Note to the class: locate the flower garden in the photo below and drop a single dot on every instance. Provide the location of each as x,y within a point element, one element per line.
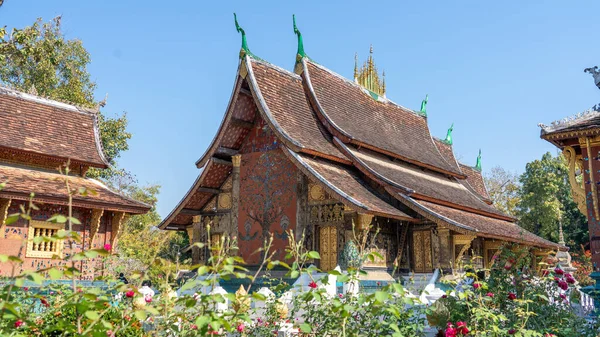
<point>511,300</point>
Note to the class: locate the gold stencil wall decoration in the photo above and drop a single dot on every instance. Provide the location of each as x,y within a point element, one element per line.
<point>422,251</point>
<point>316,192</point>
<point>328,247</point>
<point>225,201</point>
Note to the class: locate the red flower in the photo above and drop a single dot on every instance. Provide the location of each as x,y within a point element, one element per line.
<point>545,272</point>
<point>107,247</point>
<point>450,330</point>
<point>508,266</point>
<point>563,296</point>
<point>563,285</point>
<point>130,293</point>
<point>312,285</point>
<point>18,323</point>
<point>240,327</point>
<point>444,296</point>
<point>558,271</point>
<point>148,299</point>
<point>489,295</point>
<point>476,285</point>
<point>512,331</point>
<point>44,302</point>
<point>512,296</point>
<point>194,327</point>
<point>462,328</point>
<point>570,279</point>
<point>25,288</point>
<point>341,295</point>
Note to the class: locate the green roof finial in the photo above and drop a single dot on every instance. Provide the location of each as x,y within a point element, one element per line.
<point>424,105</point>
<point>448,139</point>
<point>478,164</point>
<point>301,52</point>
<point>244,50</point>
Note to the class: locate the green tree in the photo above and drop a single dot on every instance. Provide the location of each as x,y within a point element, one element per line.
<point>39,59</point>
<point>545,199</point>
<point>503,188</point>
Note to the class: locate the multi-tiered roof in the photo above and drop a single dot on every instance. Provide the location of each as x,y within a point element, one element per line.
<point>370,153</point>
<point>40,135</point>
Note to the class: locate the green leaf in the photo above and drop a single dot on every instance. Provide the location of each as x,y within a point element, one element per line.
<point>58,219</point>
<point>140,314</point>
<point>314,255</point>
<point>381,296</point>
<point>305,327</point>
<point>92,315</point>
<point>55,274</point>
<point>12,218</point>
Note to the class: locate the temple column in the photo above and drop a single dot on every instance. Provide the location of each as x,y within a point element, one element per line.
<point>446,258</point>
<point>196,237</point>
<point>235,195</point>
<point>435,247</point>
<point>302,213</point>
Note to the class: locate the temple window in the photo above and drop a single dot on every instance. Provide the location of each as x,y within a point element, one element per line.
<point>43,249</point>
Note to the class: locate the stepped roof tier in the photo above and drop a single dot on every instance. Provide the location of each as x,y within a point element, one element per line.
<point>38,136</point>
<point>365,150</point>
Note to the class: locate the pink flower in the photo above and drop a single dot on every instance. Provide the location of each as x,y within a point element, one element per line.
<point>18,323</point>
<point>25,288</point>
<point>107,247</point>
<point>130,293</point>
<point>512,331</point>
<point>512,296</point>
<point>148,299</point>
<point>194,327</point>
<point>563,296</point>
<point>476,285</point>
<point>341,295</point>
<point>312,285</point>
<point>558,271</point>
<point>570,280</point>
<point>110,333</point>
<point>489,295</point>
<point>462,328</point>
<point>563,285</point>
<point>507,266</point>
<point>450,330</point>
<point>240,327</point>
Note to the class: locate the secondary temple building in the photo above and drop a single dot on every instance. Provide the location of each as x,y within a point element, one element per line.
<point>314,153</point>
<point>38,137</point>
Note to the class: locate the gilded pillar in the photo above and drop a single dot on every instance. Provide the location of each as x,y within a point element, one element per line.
<point>435,247</point>
<point>197,237</point>
<point>235,195</point>
<point>302,213</point>
<point>445,249</point>
<point>363,221</point>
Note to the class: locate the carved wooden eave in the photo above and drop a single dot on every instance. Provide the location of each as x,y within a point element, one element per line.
<point>4,206</point>
<point>558,137</point>
<point>344,137</point>
<point>335,192</point>
<point>574,162</point>
<point>118,221</point>
<point>95,223</point>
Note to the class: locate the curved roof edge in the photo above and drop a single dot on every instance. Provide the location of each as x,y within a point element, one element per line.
<point>345,137</point>
<point>181,204</point>
<point>333,190</point>
<point>366,169</point>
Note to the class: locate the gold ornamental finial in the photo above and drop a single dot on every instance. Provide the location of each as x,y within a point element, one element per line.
<point>367,76</point>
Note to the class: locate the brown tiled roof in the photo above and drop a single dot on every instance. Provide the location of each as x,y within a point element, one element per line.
<point>383,125</point>
<point>447,152</point>
<point>340,180</point>
<point>286,101</point>
<point>589,120</point>
<point>486,226</point>
<point>475,180</point>
<point>50,187</point>
<point>422,182</point>
<point>41,126</point>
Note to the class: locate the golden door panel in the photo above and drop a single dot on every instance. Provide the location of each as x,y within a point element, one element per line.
<point>422,251</point>
<point>328,247</point>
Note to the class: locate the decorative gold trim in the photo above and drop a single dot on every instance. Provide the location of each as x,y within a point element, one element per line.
<point>465,240</point>
<point>577,188</point>
<point>35,224</point>
<point>4,205</point>
<point>190,233</point>
<point>571,134</point>
<point>243,70</point>
<point>224,201</point>
<point>118,220</point>
<point>363,221</point>
<point>236,160</point>
<point>95,223</point>
<point>316,192</point>
<point>197,219</point>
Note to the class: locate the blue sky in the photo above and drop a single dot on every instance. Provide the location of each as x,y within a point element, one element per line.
<point>495,69</point>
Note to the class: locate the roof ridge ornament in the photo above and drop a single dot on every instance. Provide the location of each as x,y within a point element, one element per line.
<point>368,77</point>
<point>478,164</point>
<point>596,73</point>
<point>423,110</point>
<point>300,53</point>
<point>244,50</point>
<point>448,139</point>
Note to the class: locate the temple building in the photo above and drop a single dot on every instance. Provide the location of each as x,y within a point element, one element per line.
<point>39,137</point>
<point>312,152</point>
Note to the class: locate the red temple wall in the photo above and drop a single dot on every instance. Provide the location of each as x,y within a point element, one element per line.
<point>268,199</point>
<point>13,240</point>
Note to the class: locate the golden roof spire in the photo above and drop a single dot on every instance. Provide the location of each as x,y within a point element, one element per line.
<point>367,76</point>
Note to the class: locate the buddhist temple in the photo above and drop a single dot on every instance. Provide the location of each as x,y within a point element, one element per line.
<point>312,152</point>
<point>40,136</point>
